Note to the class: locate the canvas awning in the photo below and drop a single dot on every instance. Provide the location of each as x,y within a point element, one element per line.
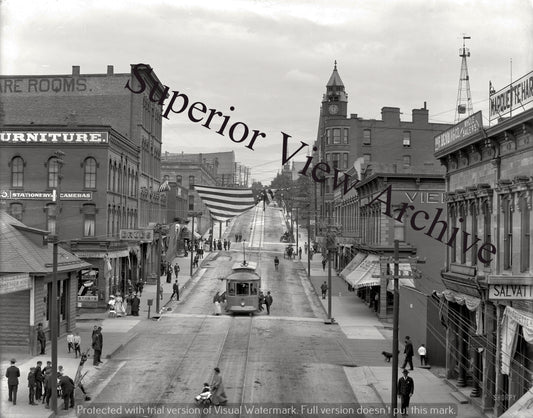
<point>366,273</point>
<point>404,269</point>
<point>351,266</point>
<point>522,408</point>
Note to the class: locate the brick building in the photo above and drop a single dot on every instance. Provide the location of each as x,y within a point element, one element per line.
<point>126,169</point>
<point>26,285</point>
<point>488,301</point>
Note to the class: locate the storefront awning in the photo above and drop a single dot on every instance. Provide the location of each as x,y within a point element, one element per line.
<point>512,318</point>
<point>522,408</point>
<point>404,269</point>
<point>102,254</point>
<point>366,273</point>
<point>352,265</point>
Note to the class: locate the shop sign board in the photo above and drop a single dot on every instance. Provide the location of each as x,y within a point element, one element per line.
<point>457,133</point>
<point>14,283</point>
<point>90,298</point>
<point>513,98</point>
<point>19,137</point>
<point>27,195</point>
<point>138,235</point>
<point>510,288</point>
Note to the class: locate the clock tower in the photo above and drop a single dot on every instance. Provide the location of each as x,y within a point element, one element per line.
<point>335,101</point>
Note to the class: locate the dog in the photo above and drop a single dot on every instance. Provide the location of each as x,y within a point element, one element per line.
<point>387,355</point>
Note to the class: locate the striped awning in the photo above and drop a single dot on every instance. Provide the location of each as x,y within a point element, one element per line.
<point>224,203</point>
<point>365,274</point>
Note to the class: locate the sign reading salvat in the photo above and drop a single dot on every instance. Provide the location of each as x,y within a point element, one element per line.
<point>510,288</point>
<point>52,137</point>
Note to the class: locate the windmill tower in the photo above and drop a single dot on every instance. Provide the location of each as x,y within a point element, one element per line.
<point>464,99</point>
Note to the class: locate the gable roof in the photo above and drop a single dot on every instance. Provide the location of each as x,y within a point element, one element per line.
<point>20,254</point>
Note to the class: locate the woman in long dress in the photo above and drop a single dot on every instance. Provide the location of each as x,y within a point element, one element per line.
<point>119,306</point>
<point>216,302</point>
<point>217,389</point>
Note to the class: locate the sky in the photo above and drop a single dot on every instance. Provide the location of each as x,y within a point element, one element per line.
<point>271,59</point>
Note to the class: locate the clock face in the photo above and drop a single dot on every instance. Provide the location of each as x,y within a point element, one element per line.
<point>333,109</point>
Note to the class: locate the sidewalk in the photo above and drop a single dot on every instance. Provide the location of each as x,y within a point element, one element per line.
<point>372,380</point>
<point>117,332</point>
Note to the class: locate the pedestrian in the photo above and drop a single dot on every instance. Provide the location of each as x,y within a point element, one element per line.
<point>129,298</point>
<point>276,262</point>
<point>300,253</point>
<point>176,270</point>
<point>268,302</point>
<point>140,286</point>
<point>13,374</point>
<point>135,302</point>
<point>70,341</point>
<point>47,386</point>
<point>216,303</point>
<point>219,245</point>
<point>324,262</point>
<point>408,351</point>
<point>31,386</point>
<point>225,244</point>
<point>77,344</point>
<point>406,388</point>
<point>67,390</point>
<point>229,244</point>
<point>169,274</point>
<point>98,343</point>
<point>39,379</point>
<point>41,337</point>
<point>324,289</point>
<point>261,301</point>
<point>376,301</point>
<point>161,292</point>
<point>217,389</point>
<point>305,247</point>
<point>195,260</point>
<point>176,291</point>
<point>422,353</point>
<point>119,306</point>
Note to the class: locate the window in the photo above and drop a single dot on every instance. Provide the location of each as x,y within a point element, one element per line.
<point>407,139</point>
<point>15,210</point>
<point>399,231</point>
<point>89,220</point>
<point>367,158</point>
<point>329,134</point>
<point>345,136</point>
<point>406,160</point>
<point>453,218</point>
<point>473,211</point>
<point>242,289</point>
<point>335,160</point>
<point>17,172</point>
<point>89,175</point>
<point>507,233</point>
<point>525,235</point>
<point>462,214</point>
<point>336,136</point>
<point>366,136</point>
<point>178,179</point>
<point>51,217</point>
<point>191,202</point>
<point>345,161</point>
<point>191,182</point>
<point>53,172</point>
<point>486,225</point>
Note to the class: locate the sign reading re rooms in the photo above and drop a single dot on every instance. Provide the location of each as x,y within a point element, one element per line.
<point>54,137</point>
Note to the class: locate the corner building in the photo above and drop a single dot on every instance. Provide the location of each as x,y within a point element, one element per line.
<point>488,301</point>
<point>117,178</point>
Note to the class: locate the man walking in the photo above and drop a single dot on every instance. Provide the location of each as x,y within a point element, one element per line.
<point>176,289</point>
<point>135,302</point>
<point>276,262</point>
<point>98,343</point>
<point>324,289</point>
<point>41,337</point>
<point>406,388</point>
<point>13,374</point>
<point>32,384</point>
<point>176,270</point>
<point>408,351</point>
<point>268,302</point>
<point>39,379</point>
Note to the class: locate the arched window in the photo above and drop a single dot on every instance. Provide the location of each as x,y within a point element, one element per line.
<point>89,220</point>
<point>89,174</point>
<point>53,172</point>
<point>17,172</point>
<point>15,210</point>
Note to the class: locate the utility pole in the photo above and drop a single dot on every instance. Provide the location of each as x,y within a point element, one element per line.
<point>54,316</point>
<point>297,249</point>
<point>309,244</point>
<point>394,395</point>
<point>158,269</point>
<point>331,248</point>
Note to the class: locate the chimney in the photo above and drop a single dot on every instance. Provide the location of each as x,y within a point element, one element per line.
<point>421,116</point>
<point>391,115</point>
<point>109,70</point>
<point>75,70</point>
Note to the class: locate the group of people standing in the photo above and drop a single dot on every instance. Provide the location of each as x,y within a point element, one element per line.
<point>118,307</point>
<point>265,300</point>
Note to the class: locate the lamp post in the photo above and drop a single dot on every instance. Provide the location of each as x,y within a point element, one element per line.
<point>54,319</point>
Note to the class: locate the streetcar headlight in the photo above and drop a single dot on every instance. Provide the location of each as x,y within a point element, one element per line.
<point>242,303</point>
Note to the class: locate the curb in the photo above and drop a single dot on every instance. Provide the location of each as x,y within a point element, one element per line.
<point>121,346</point>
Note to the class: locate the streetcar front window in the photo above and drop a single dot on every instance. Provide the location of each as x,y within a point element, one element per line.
<point>243,289</point>
<point>253,289</point>
<point>231,289</point>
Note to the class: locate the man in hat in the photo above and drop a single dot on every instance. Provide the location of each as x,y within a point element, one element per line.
<point>13,374</point>
<point>97,345</point>
<point>406,388</point>
<point>41,337</point>
<point>409,352</point>
<point>67,390</point>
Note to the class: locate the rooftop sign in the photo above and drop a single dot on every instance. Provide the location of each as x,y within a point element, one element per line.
<point>53,137</point>
<point>464,129</point>
<point>513,97</point>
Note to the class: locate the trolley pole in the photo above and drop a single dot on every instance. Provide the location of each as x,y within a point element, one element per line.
<point>394,395</point>
<point>309,245</point>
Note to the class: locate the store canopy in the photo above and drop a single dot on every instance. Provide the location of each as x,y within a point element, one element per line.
<point>522,408</point>
<point>404,269</point>
<point>352,265</point>
<point>366,273</point>
<point>512,318</point>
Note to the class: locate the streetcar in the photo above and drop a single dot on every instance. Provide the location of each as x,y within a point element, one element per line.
<point>242,288</point>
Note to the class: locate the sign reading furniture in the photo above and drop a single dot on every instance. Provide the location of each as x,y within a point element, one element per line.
<point>54,137</point>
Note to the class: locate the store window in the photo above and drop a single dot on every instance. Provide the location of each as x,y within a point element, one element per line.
<point>89,220</point>
<point>53,172</point>
<point>89,173</point>
<point>17,172</point>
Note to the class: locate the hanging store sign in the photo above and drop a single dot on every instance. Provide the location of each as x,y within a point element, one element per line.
<point>510,288</point>
<point>139,235</point>
<point>459,132</point>
<point>512,98</point>
<point>11,195</point>
<point>54,137</point>
<point>14,283</point>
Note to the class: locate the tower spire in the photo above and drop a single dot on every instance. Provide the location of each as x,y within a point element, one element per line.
<point>464,99</point>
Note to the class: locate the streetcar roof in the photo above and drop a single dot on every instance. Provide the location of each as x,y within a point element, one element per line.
<point>243,276</point>
<point>250,265</point>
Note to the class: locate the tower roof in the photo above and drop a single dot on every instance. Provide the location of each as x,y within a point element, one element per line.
<point>335,79</point>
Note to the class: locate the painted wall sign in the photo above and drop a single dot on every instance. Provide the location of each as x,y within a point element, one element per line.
<point>460,131</point>
<point>14,283</point>
<point>12,195</point>
<point>42,85</point>
<point>425,197</point>
<point>512,98</point>
<point>144,235</point>
<point>54,137</point>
